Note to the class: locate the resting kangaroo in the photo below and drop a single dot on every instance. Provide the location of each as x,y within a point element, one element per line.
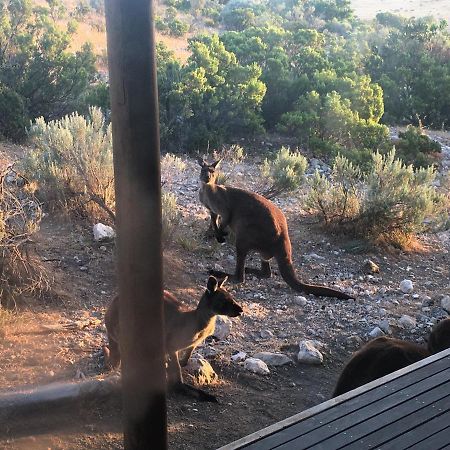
<point>185,330</point>
<point>258,225</point>
<point>386,355</point>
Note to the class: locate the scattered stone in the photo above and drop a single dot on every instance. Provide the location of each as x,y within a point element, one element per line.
<point>103,248</point>
<point>445,303</point>
<point>239,357</point>
<point>209,352</point>
<point>376,332</point>
<point>300,300</point>
<point>256,366</point>
<point>223,327</point>
<point>309,354</point>
<point>370,267</point>
<point>103,232</point>
<point>314,256</point>
<point>406,286</point>
<point>201,370</point>
<point>407,322</point>
<point>384,325</point>
<point>273,359</point>
<point>266,334</point>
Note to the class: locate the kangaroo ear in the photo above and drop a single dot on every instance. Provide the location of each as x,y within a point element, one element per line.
<point>212,284</point>
<point>215,164</point>
<point>201,161</point>
<point>222,282</point>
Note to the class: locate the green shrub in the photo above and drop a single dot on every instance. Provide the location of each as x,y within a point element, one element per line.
<point>391,202</point>
<point>336,200</point>
<point>283,174</point>
<point>181,5</point>
<point>171,217</point>
<point>72,161</point>
<point>415,147</point>
<point>13,117</point>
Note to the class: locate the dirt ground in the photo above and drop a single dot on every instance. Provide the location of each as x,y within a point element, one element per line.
<point>60,338</point>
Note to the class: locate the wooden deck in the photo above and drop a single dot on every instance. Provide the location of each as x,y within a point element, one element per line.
<point>408,409</point>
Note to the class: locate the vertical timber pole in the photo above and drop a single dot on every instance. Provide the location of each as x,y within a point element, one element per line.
<point>135,126</point>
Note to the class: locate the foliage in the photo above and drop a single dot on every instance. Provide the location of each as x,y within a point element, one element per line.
<point>171,217</point>
<point>72,161</point>
<point>209,99</point>
<point>20,217</point>
<point>38,72</point>
<point>13,119</point>
<point>391,202</point>
<point>415,147</point>
<point>410,60</point>
<point>285,173</point>
<point>171,165</point>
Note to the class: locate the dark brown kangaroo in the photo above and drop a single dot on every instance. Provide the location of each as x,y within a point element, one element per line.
<point>185,330</point>
<point>386,355</point>
<point>258,225</point>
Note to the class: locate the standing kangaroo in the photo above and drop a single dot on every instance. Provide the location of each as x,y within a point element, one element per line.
<point>184,329</point>
<point>385,355</point>
<point>258,225</point>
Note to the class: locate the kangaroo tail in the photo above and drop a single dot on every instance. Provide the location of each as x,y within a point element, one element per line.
<point>288,273</point>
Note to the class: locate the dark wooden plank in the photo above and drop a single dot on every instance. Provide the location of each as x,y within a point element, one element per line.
<point>408,421</point>
<point>438,441</point>
<point>360,408</point>
<point>345,436</point>
<point>323,413</point>
<point>420,433</point>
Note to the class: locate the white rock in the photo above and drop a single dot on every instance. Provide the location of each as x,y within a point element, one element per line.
<point>384,325</point>
<point>376,332</point>
<point>256,366</point>
<point>238,357</point>
<point>314,256</point>
<point>406,286</point>
<point>300,300</point>
<point>102,232</point>
<point>309,354</point>
<point>223,327</point>
<point>445,303</point>
<point>266,334</point>
<point>273,359</point>
<point>407,322</point>
<point>201,370</point>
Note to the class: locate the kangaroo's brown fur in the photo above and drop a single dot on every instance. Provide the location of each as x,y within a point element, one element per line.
<point>185,330</point>
<point>258,225</point>
<point>386,355</point>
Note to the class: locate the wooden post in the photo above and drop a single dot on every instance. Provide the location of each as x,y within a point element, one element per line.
<point>134,109</point>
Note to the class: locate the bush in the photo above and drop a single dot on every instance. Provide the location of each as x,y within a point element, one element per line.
<point>170,165</point>
<point>171,217</point>
<point>392,202</point>
<point>415,147</point>
<point>285,173</point>
<point>337,199</point>
<point>20,217</point>
<point>13,118</point>
<point>72,162</point>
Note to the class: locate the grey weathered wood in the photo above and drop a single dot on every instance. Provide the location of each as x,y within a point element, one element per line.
<point>423,432</point>
<point>135,128</point>
<point>325,414</point>
<point>391,424</point>
<point>438,441</point>
<point>376,414</point>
